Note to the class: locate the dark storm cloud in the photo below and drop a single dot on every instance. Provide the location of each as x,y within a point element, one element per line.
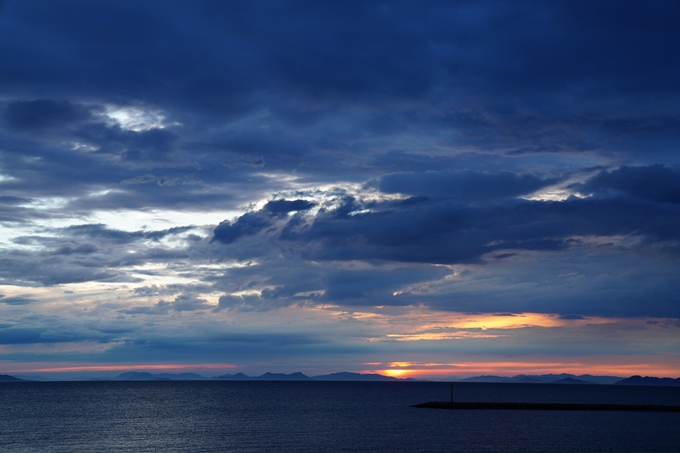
<point>153,145</point>
<point>286,206</point>
<point>655,183</point>
<point>253,223</point>
<point>307,259</point>
<point>525,77</point>
<point>422,230</point>
<point>34,116</point>
<point>449,232</point>
<point>425,232</point>
<point>85,124</point>
<point>246,225</point>
<point>41,170</point>
<point>328,90</point>
<point>465,185</point>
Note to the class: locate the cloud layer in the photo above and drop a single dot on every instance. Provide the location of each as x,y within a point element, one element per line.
<point>271,183</point>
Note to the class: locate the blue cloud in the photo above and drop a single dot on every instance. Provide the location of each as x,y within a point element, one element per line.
<point>655,183</point>
<point>286,206</point>
<point>464,185</point>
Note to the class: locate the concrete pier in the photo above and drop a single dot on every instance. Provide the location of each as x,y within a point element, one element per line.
<point>549,406</point>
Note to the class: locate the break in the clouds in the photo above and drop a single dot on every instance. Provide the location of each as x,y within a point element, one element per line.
<point>317,186</point>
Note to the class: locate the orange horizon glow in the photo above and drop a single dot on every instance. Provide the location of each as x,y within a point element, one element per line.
<point>612,366</point>
<point>468,369</point>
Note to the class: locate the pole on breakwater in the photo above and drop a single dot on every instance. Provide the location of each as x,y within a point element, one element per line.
<point>452,393</point>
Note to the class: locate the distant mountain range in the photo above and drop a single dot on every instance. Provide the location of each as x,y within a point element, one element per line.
<point>347,376</point>
<point>647,380</point>
<point>145,376</point>
<point>8,378</point>
<point>342,376</point>
<point>563,378</point>
<point>572,379</point>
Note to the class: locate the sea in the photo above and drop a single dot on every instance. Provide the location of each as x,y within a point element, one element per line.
<point>281,416</point>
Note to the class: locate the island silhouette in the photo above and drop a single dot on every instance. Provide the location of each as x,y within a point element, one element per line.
<point>566,379</point>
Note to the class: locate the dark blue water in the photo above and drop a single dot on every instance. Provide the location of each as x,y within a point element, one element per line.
<point>175,416</point>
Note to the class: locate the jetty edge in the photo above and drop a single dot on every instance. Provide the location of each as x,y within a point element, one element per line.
<point>549,406</point>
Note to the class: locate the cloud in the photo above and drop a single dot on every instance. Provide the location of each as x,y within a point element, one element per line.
<point>168,290</point>
<point>371,158</point>
<point>102,232</point>
<point>448,232</point>
<point>463,185</point>
<point>85,248</point>
<point>571,317</point>
<point>246,225</point>
<point>516,78</point>
<point>19,300</point>
<point>247,161</point>
<point>10,200</point>
<point>86,127</point>
<point>242,303</point>
<point>33,116</point>
<point>656,183</point>
<point>148,178</point>
<point>342,286</point>
<point>21,268</point>
<point>252,223</point>
<point>286,206</point>
<point>90,252</point>
<point>183,302</point>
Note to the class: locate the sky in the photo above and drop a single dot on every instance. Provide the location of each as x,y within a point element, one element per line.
<point>422,189</point>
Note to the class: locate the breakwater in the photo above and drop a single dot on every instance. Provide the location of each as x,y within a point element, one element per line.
<point>549,406</point>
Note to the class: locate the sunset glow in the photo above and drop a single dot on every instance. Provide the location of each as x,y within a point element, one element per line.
<point>615,367</point>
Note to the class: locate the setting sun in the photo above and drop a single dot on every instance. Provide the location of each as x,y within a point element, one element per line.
<point>397,373</point>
